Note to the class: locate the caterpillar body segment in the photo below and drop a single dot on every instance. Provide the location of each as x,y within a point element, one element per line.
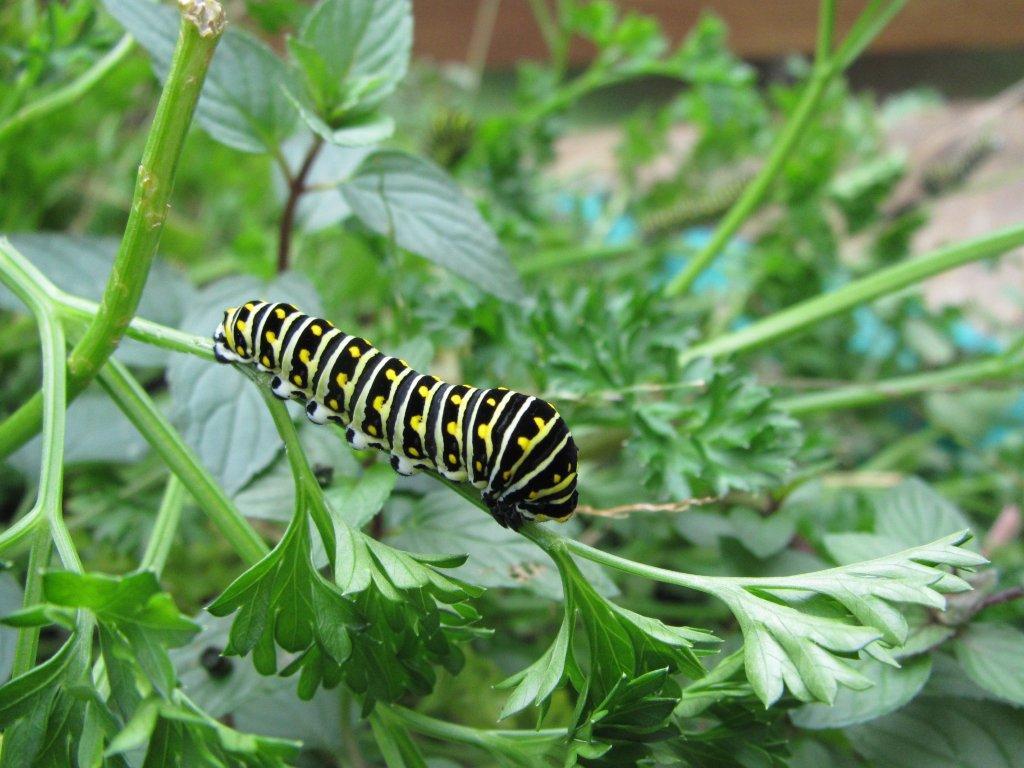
<point>513,447</point>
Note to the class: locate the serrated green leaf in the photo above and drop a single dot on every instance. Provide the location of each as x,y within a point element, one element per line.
<point>138,730</point>
<point>20,694</point>
<point>358,499</point>
<point>416,202</point>
<point>537,682</point>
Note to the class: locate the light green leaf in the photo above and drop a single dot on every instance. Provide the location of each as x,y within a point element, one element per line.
<point>536,683</point>
<point>891,689</point>
<point>913,512</point>
<point>992,655</point>
<point>357,131</point>
<point>416,202</point>
<point>10,601</point>
<point>943,733</point>
<point>358,499</point>
<point>242,104</point>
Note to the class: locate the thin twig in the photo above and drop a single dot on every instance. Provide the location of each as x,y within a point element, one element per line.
<point>296,188</point>
<point>625,510</point>
<point>1013,593</point>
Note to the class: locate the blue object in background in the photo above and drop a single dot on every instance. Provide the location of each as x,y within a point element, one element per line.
<point>724,270</point>
<point>871,337</point>
<point>970,339</point>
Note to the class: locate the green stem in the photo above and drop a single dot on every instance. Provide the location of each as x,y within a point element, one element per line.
<point>28,637</point>
<point>826,69</point>
<point>166,525</point>
<point>874,392</point>
<point>461,734</point>
<point>132,399</point>
<point>306,484</point>
<point>565,257</point>
<point>880,283</point>
<point>70,93</point>
<point>150,202</point>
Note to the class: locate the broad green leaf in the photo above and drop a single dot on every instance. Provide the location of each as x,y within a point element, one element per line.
<point>354,52</point>
<point>358,131</point>
<point>763,536</point>
<point>137,731</point>
<point>913,512</point>
<point>422,208</point>
<point>243,104</point>
<point>220,413</point>
<point>943,733</point>
<point>891,689</point>
<point>992,655</point>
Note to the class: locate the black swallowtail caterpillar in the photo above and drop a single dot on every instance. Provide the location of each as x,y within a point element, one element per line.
<point>513,447</point>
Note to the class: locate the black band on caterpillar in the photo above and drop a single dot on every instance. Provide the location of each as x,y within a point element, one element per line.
<point>514,448</point>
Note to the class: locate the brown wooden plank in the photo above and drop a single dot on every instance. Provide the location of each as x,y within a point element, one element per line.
<point>757,30</point>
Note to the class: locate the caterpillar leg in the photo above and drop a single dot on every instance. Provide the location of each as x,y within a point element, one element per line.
<point>317,413</point>
<point>507,514</point>
<point>282,389</point>
<point>403,466</point>
<point>356,439</point>
<point>223,354</point>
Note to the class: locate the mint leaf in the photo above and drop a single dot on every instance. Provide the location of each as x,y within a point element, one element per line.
<point>992,655</point>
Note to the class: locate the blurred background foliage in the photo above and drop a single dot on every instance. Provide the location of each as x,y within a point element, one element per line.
<point>741,479</point>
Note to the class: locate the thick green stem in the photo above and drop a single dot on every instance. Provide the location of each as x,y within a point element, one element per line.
<point>164,527</point>
<point>150,202</point>
<point>827,67</point>
<point>566,257</point>
<point>132,399</point>
<point>873,392</point>
<point>70,93</point>
<point>812,311</point>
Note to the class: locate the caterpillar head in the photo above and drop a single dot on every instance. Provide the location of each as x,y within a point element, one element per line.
<point>233,338</point>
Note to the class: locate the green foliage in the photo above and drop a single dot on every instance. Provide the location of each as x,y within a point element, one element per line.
<point>798,617</point>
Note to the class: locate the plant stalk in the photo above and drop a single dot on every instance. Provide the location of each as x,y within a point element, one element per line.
<point>880,283</point>
<point>164,527</point>
<point>133,401</point>
<point>874,392</point>
<point>150,203</point>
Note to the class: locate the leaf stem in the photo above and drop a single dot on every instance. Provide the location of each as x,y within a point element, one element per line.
<point>132,399</point>
<point>27,644</point>
<point>874,392</point>
<point>70,93</point>
<point>166,525</point>
<point>150,203</point>
<point>296,188</point>
<point>880,283</point>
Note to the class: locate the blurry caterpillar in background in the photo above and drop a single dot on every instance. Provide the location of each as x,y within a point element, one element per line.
<point>513,447</point>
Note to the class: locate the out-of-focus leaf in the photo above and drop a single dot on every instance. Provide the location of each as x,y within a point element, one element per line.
<point>992,655</point>
<point>892,688</point>
<point>358,499</point>
<point>10,601</point>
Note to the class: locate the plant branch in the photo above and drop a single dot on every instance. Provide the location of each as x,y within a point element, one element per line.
<point>874,392</point>
<point>70,93</point>
<point>150,202</point>
<point>132,399</point>
<point>826,69</point>
<point>296,188</point>
<point>873,286</point>
<point>164,527</point>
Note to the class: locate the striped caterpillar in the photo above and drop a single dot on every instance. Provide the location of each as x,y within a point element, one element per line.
<point>513,447</point>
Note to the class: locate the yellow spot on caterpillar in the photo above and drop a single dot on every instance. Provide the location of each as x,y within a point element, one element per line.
<point>506,474</point>
<point>266,361</point>
<point>457,399</point>
<point>297,379</point>
<point>491,401</point>
<point>452,428</point>
<point>390,375</point>
<point>403,362</point>
<point>240,325</point>
<point>479,466</point>
<point>502,389</point>
<point>423,390</point>
<point>249,305</point>
<point>240,349</point>
<point>558,478</point>
<point>452,459</point>
<point>280,313</point>
<point>271,337</point>
<point>316,329</point>
<point>524,442</point>
<point>413,452</point>
<point>415,421</point>
<point>539,422</point>
<point>355,351</point>
<point>532,495</point>
<point>483,430</point>
<point>378,402</point>
<point>333,404</point>
<point>342,379</point>
<point>304,355</point>
<point>371,429</point>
